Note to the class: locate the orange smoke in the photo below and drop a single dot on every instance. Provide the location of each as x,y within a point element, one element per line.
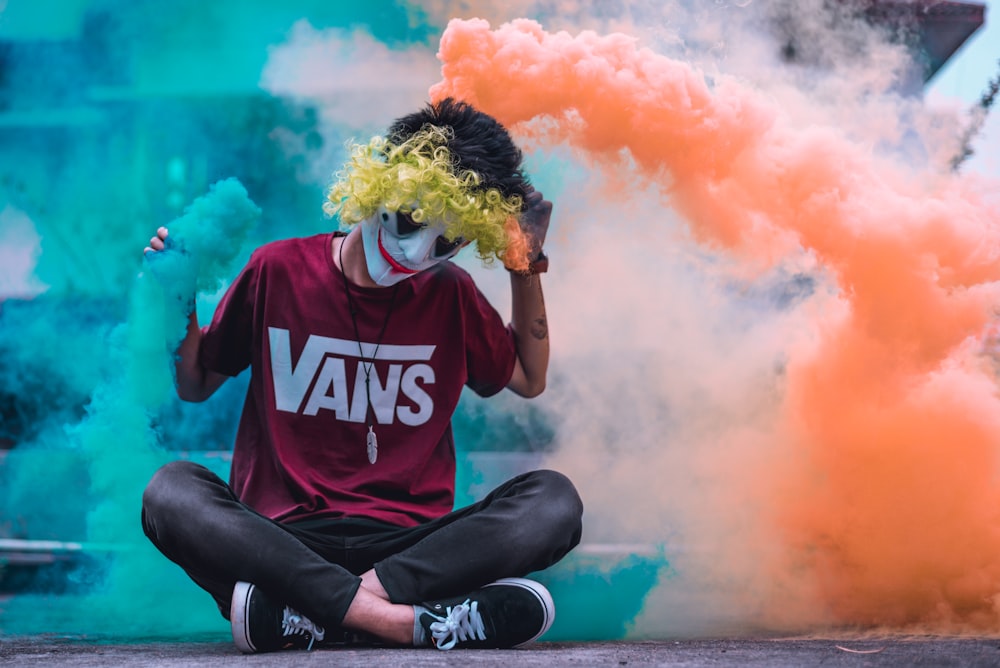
<point>891,503</point>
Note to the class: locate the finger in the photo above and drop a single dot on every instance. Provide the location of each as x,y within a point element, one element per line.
<point>533,198</point>
<point>540,210</point>
<point>162,232</point>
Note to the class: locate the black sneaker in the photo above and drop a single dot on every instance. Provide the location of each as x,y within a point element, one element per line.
<point>260,625</point>
<point>507,613</point>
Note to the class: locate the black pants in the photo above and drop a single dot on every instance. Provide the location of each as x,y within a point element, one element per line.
<point>192,516</point>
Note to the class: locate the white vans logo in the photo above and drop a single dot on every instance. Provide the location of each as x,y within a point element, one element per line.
<point>322,366</point>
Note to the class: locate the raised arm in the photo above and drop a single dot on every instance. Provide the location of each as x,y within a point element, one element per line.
<point>193,381</point>
<point>528,319</point>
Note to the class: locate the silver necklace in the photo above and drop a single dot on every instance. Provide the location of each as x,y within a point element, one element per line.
<point>372,439</point>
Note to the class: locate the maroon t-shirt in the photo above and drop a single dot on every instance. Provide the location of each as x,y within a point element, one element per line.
<point>300,449</point>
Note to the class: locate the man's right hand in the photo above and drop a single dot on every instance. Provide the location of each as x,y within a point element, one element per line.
<point>176,274</point>
<point>175,270</point>
<point>158,242</point>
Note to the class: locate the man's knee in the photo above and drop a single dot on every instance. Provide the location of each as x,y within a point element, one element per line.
<point>171,486</point>
<point>561,507</point>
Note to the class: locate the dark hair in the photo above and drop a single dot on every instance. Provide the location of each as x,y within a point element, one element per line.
<point>477,141</point>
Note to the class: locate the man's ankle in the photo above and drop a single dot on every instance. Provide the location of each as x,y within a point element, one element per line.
<point>371,582</point>
<point>392,622</point>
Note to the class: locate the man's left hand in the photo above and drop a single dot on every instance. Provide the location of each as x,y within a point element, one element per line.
<point>535,220</point>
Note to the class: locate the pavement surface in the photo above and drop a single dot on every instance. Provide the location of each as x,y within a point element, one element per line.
<point>780,653</point>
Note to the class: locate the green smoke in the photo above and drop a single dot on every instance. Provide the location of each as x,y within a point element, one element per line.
<point>117,444</point>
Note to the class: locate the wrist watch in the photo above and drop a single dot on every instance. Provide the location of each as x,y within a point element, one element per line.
<point>539,265</point>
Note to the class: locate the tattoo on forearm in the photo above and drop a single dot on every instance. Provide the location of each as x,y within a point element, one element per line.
<point>540,328</point>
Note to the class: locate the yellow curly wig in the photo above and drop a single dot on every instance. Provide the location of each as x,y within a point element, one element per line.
<point>419,177</point>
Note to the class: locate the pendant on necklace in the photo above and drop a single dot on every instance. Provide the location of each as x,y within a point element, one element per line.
<point>372,445</point>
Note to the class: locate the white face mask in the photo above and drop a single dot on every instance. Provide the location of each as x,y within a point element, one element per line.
<point>397,248</point>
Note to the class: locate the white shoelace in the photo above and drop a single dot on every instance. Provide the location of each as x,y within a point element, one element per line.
<point>293,623</point>
<point>463,622</point>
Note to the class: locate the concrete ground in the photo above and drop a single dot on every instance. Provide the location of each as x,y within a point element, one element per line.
<point>790,653</point>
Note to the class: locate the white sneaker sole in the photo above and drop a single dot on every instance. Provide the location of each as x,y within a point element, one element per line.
<point>544,597</point>
<point>238,617</point>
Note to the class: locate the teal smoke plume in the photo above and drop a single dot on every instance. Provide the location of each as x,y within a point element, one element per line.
<point>117,441</point>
